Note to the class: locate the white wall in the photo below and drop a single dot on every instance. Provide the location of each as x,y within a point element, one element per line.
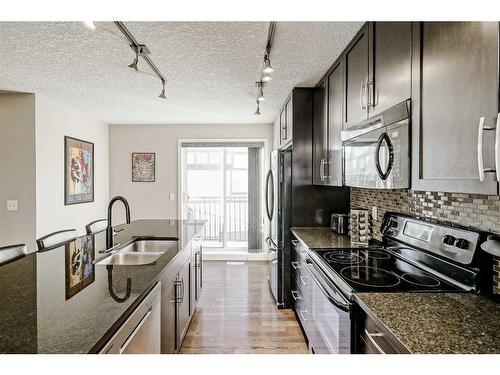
<point>17,169</point>
<point>151,200</point>
<point>53,122</point>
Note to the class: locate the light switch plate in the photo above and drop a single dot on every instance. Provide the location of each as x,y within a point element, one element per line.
<point>11,205</point>
<point>172,196</point>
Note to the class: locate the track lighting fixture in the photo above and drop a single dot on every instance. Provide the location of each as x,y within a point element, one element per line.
<point>89,24</point>
<point>257,112</point>
<point>162,95</point>
<point>260,86</point>
<point>141,50</point>
<point>267,66</point>
<point>266,78</point>
<point>266,69</point>
<point>133,66</point>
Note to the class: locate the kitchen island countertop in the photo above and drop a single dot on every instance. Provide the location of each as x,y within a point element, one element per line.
<point>43,309</point>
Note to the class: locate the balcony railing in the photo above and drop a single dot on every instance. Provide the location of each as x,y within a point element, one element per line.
<point>220,228</point>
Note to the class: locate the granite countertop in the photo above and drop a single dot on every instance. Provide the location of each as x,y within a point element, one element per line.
<point>438,322</point>
<point>46,308</point>
<point>322,237</point>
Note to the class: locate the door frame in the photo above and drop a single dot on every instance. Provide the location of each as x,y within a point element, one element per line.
<point>265,160</point>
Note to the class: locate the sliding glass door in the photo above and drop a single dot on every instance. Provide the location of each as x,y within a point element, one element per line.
<point>215,188</point>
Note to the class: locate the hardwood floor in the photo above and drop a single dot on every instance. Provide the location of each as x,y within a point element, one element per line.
<point>236,314</point>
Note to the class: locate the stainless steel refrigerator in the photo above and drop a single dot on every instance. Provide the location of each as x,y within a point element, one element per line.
<point>292,200</point>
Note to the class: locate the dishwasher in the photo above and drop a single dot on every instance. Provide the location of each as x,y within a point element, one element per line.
<point>141,332</point>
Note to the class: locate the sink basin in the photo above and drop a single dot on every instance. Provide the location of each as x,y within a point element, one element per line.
<point>139,253</point>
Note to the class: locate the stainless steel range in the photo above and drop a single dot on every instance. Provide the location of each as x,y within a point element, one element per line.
<point>415,256</point>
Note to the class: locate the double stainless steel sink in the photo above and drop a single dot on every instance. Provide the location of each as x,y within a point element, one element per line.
<point>140,252</point>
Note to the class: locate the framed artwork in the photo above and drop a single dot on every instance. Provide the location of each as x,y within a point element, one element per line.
<point>78,171</point>
<point>79,266</point>
<point>143,166</point>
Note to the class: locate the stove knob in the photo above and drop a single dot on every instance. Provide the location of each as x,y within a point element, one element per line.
<point>462,243</point>
<point>449,240</point>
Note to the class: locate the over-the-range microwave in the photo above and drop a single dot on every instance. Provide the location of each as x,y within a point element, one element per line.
<point>376,153</point>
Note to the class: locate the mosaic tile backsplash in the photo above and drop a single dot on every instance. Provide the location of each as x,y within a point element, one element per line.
<point>471,210</point>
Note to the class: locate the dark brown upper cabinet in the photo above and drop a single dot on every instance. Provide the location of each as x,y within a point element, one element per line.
<point>327,143</point>
<point>335,98</point>
<point>389,65</point>
<point>377,73</point>
<point>320,133</point>
<point>455,99</point>
<point>356,78</point>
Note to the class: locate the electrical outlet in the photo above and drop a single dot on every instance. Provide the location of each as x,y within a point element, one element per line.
<point>11,205</point>
<point>374,213</point>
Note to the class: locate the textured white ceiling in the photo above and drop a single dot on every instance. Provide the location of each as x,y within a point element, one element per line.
<point>211,67</point>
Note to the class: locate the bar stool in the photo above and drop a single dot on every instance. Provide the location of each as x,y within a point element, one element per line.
<point>56,239</point>
<point>11,253</point>
<point>96,226</point>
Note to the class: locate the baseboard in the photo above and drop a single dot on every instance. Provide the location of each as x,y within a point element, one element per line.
<point>209,255</point>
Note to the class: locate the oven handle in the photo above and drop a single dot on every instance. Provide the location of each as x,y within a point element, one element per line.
<point>384,137</point>
<point>342,305</point>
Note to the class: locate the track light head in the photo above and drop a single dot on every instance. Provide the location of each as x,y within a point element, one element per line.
<point>257,112</point>
<point>260,85</point>
<point>266,78</point>
<point>162,94</point>
<point>133,66</point>
<point>267,66</point>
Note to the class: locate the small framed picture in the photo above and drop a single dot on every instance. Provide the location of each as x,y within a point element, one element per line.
<point>78,171</point>
<point>143,166</point>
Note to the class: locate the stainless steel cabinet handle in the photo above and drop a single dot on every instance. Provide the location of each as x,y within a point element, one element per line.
<point>361,95</point>
<point>326,172</point>
<point>302,312</point>
<point>178,297</point>
<point>295,295</point>
<point>497,147</point>
<point>369,94</point>
<point>321,171</point>
<point>302,278</point>
<point>480,163</point>
<point>372,340</point>
<point>295,265</point>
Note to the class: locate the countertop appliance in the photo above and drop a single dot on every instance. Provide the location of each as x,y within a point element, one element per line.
<point>339,223</point>
<point>377,151</point>
<point>415,256</point>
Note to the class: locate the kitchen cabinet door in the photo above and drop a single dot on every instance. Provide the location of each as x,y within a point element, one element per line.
<point>390,65</point>
<point>320,134</point>
<point>455,84</point>
<point>168,309</point>
<point>183,310</point>
<point>356,78</point>
<point>335,92</point>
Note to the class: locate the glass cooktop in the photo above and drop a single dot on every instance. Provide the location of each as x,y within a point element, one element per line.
<point>378,270</point>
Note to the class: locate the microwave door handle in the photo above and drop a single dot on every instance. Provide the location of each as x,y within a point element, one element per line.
<point>384,137</point>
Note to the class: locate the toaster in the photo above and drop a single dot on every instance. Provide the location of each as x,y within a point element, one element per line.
<point>339,223</point>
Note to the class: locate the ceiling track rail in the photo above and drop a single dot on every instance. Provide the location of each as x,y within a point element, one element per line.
<point>136,46</point>
<point>266,68</point>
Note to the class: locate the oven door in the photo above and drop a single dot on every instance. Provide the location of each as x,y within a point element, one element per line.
<point>330,315</point>
<point>379,159</point>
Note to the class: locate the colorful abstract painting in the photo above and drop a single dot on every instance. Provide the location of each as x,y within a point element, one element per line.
<point>79,171</point>
<point>143,167</point>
